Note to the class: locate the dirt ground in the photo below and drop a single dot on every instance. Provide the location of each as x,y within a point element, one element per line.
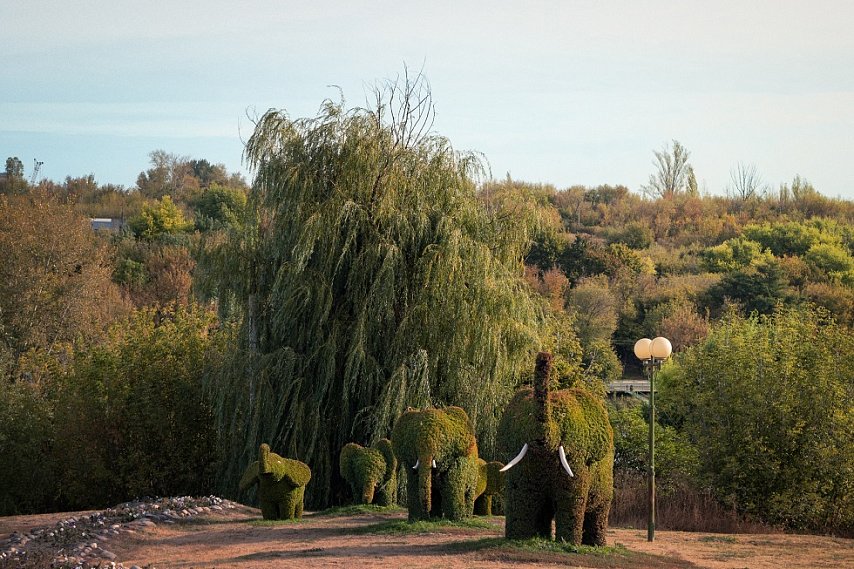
<point>236,539</point>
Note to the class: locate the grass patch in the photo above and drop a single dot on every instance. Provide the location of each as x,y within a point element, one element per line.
<point>402,527</point>
<point>538,550</point>
<point>717,539</point>
<point>538,545</point>
<point>272,523</point>
<point>358,510</point>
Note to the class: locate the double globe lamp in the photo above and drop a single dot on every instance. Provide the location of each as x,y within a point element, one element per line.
<point>652,353</point>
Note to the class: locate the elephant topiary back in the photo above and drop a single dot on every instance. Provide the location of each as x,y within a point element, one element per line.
<point>441,433</point>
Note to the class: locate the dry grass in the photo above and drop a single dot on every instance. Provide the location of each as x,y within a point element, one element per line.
<point>680,509</point>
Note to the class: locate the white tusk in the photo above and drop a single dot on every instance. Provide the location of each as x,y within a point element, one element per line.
<point>563,461</point>
<point>417,462</point>
<point>434,463</point>
<point>513,462</point>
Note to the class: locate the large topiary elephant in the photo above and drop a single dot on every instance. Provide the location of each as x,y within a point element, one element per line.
<point>370,472</point>
<point>565,462</point>
<point>281,484</point>
<point>490,483</point>
<point>439,453</point>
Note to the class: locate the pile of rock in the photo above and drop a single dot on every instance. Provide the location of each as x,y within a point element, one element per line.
<point>82,542</point>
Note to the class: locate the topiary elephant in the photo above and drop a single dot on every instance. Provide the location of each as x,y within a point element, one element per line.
<point>370,472</point>
<point>564,470</point>
<point>439,453</point>
<point>489,484</point>
<point>281,484</point>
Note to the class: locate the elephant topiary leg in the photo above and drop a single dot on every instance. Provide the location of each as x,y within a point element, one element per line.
<point>457,487</point>
<point>368,494</point>
<point>300,501</point>
<point>269,510</point>
<point>596,525</point>
<point>528,508</point>
<point>413,501</point>
<point>571,504</point>
<point>483,505</point>
<point>291,504</point>
<point>384,494</point>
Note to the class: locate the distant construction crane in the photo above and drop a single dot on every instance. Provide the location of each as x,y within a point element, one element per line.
<point>36,167</point>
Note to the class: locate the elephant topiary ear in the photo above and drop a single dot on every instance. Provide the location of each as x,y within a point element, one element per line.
<point>250,477</point>
<point>482,478</point>
<point>345,459</point>
<point>295,472</point>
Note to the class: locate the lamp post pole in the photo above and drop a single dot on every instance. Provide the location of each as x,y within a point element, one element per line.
<point>652,353</point>
<point>650,529</point>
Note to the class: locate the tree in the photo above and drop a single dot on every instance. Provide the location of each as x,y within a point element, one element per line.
<point>745,182</point>
<point>594,307</point>
<point>756,288</point>
<point>371,278</point>
<point>219,206</point>
<point>672,172</point>
<point>635,235</point>
<point>208,173</point>
<point>134,419</point>
<point>14,182</point>
<point>160,218</point>
<point>166,177</point>
<point>767,402</point>
<point>54,279</point>
<point>732,254</point>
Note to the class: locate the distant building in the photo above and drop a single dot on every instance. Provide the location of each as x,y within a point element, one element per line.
<point>107,223</point>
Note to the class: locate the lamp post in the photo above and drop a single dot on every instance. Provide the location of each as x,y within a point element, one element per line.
<point>652,353</point>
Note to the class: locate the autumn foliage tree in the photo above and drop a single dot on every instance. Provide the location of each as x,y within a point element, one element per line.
<point>55,282</point>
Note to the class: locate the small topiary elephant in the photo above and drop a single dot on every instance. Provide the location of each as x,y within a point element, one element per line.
<point>438,450</point>
<point>565,469</point>
<point>490,483</point>
<point>281,484</point>
<point>370,472</point>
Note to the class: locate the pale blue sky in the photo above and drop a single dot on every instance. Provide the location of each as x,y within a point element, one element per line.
<point>561,92</point>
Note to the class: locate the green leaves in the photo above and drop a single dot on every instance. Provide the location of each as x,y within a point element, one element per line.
<point>380,281</point>
<point>160,218</point>
<point>767,401</point>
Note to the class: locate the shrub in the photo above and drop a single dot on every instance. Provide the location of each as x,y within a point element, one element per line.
<point>134,418</point>
<point>767,402</point>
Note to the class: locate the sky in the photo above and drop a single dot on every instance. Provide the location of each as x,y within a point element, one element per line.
<point>560,92</point>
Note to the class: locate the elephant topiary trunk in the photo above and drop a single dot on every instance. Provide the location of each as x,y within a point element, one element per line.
<point>563,471</point>
<point>438,451</point>
<point>281,484</point>
<point>370,472</point>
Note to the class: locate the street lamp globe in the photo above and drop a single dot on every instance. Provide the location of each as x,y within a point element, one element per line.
<point>643,349</point>
<point>661,348</point>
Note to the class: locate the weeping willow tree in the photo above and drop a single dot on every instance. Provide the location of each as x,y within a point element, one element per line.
<point>371,278</point>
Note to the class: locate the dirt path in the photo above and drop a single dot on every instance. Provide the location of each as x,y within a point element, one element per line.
<point>239,539</point>
<point>233,541</point>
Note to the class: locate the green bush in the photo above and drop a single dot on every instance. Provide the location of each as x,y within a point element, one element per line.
<point>676,459</point>
<point>27,474</point>
<point>766,400</point>
<point>134,421</point>
<point>732,254</point>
